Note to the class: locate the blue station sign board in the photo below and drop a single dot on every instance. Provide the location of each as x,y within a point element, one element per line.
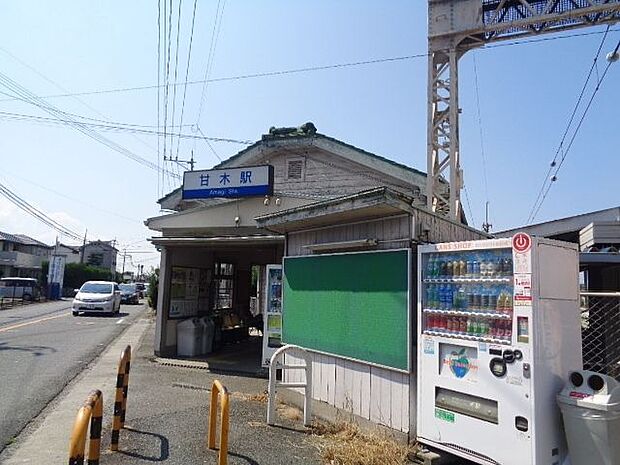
<point>246,181</point>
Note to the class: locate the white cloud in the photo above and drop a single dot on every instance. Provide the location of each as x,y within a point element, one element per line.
<point>15,221</point>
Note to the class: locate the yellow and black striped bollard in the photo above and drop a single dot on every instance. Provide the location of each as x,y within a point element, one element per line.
<point>120,400</point>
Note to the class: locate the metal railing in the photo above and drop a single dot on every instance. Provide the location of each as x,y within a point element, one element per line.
<point>91,410</point>
<point>274,365</point>
<point>219,392</point>
<point>600,332</point>
<point>120,400</point>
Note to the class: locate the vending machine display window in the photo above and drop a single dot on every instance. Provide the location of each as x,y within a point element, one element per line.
<point>469,295</point>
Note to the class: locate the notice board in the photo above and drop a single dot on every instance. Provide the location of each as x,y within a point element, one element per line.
<point>355,305</point>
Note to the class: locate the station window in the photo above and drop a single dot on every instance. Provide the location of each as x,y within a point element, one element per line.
<point>224,280</point>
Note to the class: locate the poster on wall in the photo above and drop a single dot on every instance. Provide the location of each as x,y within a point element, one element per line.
<point>188,291</point>
<point>272,316</point>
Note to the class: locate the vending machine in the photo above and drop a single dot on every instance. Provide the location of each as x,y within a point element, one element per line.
<point>499,331</point>
<point>272,315</point>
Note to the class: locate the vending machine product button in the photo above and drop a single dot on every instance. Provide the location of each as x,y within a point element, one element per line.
<point>498,367</point>
<point>518,354</point>
<point>526,370</point>
<point>509,356</point>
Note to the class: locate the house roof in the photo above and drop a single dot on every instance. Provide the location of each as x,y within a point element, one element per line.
<point>22,239</point>
<point>570,224</point>
<point>300,135</point>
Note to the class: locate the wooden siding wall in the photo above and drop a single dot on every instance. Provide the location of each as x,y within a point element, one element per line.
<point>441,230</point>
<point>328,176</point>
<point>373,393</point>
<point>392,233</point>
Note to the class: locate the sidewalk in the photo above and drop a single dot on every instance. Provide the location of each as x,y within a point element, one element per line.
<point>167,416</point>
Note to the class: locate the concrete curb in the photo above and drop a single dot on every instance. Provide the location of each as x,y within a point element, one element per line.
<point>49,442</point>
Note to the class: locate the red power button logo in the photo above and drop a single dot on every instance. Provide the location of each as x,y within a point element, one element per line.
<point>521,242</point>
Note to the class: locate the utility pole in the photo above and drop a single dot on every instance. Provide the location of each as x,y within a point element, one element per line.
<point>191,162</point>
<point>83,246</point>
<point>486,225</point>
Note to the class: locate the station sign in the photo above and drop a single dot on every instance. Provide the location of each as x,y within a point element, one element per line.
<point>245,181</point>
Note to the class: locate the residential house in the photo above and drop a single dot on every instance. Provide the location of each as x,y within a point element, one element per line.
<point>22,256</point>
<point>101,254</point>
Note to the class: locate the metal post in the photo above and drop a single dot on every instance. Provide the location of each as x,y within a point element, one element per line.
<point>219,391</point>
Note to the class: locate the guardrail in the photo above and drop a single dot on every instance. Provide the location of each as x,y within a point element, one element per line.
<point>120,400</point>
<point>91,410</point>
<point>219,391</point>
<point>274,365</point>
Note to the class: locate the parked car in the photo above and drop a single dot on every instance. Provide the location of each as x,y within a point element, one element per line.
<point>129,294</point>
<point>20,288</point>
<point>141,289</point>
<point>98,297</point>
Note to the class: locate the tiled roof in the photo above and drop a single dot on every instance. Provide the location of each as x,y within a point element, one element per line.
<point>21,239</point>
<point>300,136</point>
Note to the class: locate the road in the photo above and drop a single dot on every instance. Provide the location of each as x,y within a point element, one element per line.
<point>42,348</point>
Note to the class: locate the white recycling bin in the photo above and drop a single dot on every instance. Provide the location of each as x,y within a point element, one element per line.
<point>189,337</point>
<point>590,405</point>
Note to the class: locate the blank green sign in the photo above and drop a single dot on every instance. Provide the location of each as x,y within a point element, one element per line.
<point>354,305</point>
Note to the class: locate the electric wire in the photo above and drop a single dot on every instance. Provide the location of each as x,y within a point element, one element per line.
<point>471,213</point>
<point>167,43</point>
<point>160,187</point>
<point>24,94</point>
<point>114,128</point>
<point>36,213</point>
<point>552,164</point>
<point>311,69</point>
<point>176,74</point>
<point>575,132</point>
<point>481,132</point>
<point>189,58</point>
<point>60,194</point>
<point>206,141</point>
<point>212,47</point>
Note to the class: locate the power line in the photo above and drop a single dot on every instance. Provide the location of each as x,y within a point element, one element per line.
<point>27,96</point>
<point>546,179</point>
<point>13,175</point>
<point>214,39</point>
<point>176,74</point>
<point>117,128</point>
<point>485,226</point>
<point>310,69</point>
<point>38,214</point>
<point>160,187</point>
<point>189,57</point>
<point>575,132</point>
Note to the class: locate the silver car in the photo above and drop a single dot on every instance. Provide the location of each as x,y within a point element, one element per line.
<point>97,297</point>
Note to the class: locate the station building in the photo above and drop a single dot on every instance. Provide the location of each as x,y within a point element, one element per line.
<point>328,198</point>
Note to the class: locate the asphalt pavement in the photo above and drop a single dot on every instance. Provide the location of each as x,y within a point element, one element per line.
<point>42,348</point>
<point>167,415</point>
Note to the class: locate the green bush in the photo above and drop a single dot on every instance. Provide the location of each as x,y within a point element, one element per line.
<point>153,288</point>
<point>77,274</point>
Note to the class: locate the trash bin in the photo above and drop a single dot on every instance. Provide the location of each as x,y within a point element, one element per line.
<point>209,332</point>
<point>189,337</point>
<point>590,405</point>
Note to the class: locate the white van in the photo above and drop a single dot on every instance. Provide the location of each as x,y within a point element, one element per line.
<point>20,288</point>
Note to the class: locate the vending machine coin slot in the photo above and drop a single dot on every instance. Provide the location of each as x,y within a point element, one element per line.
<point>521,424</point>
<point>526,371</point>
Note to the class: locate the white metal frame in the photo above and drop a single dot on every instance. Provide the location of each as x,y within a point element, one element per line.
<point>456,26</point>
<point>275,365</point>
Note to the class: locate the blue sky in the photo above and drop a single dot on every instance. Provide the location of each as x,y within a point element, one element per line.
<point>526,95</point>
